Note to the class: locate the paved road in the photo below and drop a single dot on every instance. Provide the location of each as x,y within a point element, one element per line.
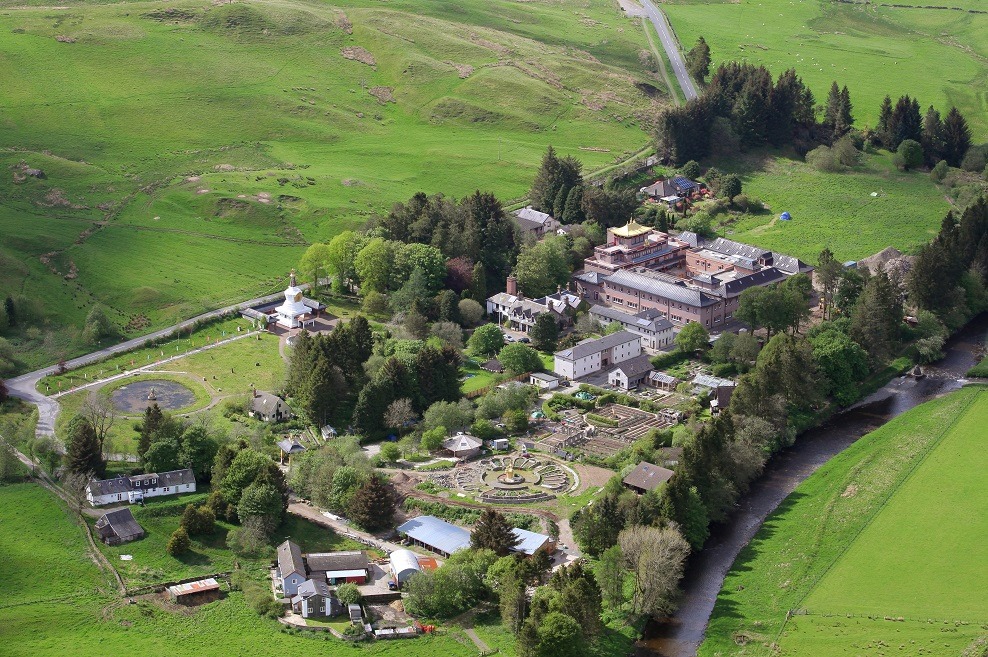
<point>672,50</point>
<point>24,386</point>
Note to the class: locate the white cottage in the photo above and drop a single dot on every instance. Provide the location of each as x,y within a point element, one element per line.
<point>136,488</point>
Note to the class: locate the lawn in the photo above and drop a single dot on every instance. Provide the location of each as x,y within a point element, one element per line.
<point>836,210</point>
<point>40,543</point>
<point>979,370</point>
<point>266,137</point>
<point>933,54</point>
<point>216,373</point>
<point>882,547</point>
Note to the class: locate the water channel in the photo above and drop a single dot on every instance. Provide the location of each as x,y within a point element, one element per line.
<point>680,635</point>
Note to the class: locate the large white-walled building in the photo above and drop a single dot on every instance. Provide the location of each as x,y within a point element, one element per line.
<point>594,355</point>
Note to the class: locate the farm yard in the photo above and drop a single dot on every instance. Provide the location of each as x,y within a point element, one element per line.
<point>880,549</point>
<point>874,50</point>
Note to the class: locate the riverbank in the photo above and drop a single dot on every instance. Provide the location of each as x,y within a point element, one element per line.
<point>680,635</point>
<point>849,559</point>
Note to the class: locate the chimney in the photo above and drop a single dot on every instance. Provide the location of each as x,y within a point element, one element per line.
<point>512,285</point>
<point>559,289</point>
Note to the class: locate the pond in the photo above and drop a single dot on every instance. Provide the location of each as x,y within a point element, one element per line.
<point>169,395</point>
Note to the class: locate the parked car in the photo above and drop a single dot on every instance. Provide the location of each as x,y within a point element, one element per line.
<point>509,338</point>
<point>525,340</point>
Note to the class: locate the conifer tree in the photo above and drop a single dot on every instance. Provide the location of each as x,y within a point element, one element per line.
<point>152,422</point>
<point>372,506</point>
<point>956,138</point>
<point>83,453</point>
<point>546,183</point>
<point>492,532</point>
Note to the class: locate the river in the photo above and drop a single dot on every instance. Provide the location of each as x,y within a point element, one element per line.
<point>680,635</point>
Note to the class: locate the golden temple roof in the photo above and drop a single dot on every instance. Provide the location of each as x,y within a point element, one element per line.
<point>631,229</point>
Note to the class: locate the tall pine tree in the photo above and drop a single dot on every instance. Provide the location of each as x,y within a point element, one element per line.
<point>83,453</point>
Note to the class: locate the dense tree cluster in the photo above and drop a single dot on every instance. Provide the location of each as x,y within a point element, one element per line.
<point>938,138</point>
<point>326,371</point>
<point>559,190</point>
<point>741,105</point>
<point>474,229</point>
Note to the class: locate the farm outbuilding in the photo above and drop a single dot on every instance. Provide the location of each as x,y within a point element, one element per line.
<point>339,567</point>
<point>531,542</point>
<point>195,593</point>
<point>435,534</point>
<point>116,527</point>
<point>404,564</point>
<point>463,445</point>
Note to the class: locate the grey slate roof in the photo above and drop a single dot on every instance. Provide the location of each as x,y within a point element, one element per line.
<point>649,320</point>
<point>635,367</point>
<point>690,238</point>
<point>311,587</point>
<point>113,486</point>
<point>332,561</point>
<point>648,476</point>
<point>592,346</point>
<point>592,277</point>
<point>268,404</point>
<point>120,523</point>
<point>290,559</point>
<point>291,446</point>
<point>656,286</point>
<point>730,247</point>
<point>789,264</point>
<point>119,485</point>
<point>761,277</point>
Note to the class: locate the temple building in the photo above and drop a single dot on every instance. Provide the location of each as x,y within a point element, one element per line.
<point>296,311</point>
<point>634,245</point>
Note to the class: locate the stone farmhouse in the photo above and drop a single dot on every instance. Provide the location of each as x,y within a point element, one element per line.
<point>520,312</point>
<point>136,488</point>
<point>596,355</point>
<point>688,279</point>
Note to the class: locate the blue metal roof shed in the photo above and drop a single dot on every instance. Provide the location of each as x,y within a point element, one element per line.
<point>435,534</point>
<point>529,542</point>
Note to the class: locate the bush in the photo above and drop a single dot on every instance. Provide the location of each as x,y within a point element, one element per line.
<point>976,158</point>
<point>668,359</point>
<point>179,543</point>
<point>257,595</point>
<point>823,159</point>
<point>198,521</point>
<point>940,171</point>
<point>374,303</point>
<point>909,155</point>
<point>348,593</point>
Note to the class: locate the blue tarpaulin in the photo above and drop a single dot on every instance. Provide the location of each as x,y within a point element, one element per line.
<point>785,216</point>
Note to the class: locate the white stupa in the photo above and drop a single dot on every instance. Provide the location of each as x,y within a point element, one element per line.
<point>290,313</point>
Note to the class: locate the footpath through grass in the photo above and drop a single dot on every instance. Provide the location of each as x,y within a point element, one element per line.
<point>883,547</point>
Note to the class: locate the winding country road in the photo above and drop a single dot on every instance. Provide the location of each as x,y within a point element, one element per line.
<point>672,50</point>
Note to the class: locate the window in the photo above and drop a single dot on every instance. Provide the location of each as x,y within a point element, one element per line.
<point>165,489</point>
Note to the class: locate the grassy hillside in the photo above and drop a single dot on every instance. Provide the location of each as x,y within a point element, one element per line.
<point>936,55</point>
<point>192,149</point>
<point>40,543</point>
<point>882,548</point>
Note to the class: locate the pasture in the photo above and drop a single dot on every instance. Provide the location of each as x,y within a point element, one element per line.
<point>934,54</point>
<point>836,210</point>
<point>192,150</point>
<point>41,542</point>
<point>881,549</point>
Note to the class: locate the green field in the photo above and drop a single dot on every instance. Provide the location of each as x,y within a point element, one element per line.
<point>836,210</point>
<point>54,602</point>
<point>193,149</point>
<point>936,55</point>
<point>882,549</point>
